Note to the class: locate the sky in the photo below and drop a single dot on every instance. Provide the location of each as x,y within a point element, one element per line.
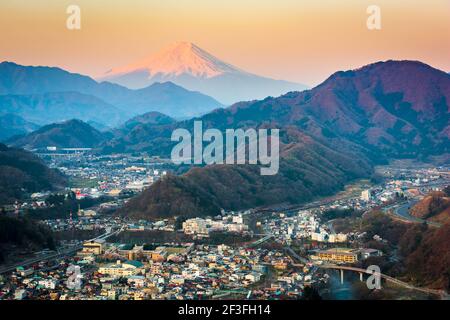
<point>297,40</point>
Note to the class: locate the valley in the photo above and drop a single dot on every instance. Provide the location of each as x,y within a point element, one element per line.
<point>237,159</point>
<point>291,227</point>
<point>114,201</point>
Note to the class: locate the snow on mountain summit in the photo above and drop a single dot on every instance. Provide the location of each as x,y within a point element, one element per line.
<point>176,59</point>
<point>191,67</point>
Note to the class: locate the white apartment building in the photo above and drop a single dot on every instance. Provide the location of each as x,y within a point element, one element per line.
<point>366,195</point>
<point>196,226</point>
<point>203,227</point>
<point>118,269</point>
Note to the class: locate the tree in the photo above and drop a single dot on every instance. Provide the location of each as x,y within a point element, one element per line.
<point>311,293</point>
<point>179,222</point>
<point>447,191</point>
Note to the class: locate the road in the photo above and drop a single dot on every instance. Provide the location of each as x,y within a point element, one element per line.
<point>295,255</point>
<point>56,255</point>
<point>51,256</point>
<point>306,206</point>
<point>259,241</point>
<point>401,211</point>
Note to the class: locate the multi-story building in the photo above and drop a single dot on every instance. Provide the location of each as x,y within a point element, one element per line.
<point>93,247</point>
<point>203,227</point>
<point>118,269</point>
<point>366,195</point>
<point>196,226</point>
<point>338,255</point>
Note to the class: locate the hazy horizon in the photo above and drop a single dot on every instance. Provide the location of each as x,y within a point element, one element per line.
<point>300,42</point>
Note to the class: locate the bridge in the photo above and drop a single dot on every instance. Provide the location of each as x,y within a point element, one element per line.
<point>342,268</point>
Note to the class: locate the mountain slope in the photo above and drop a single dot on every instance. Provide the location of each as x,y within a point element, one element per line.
<point>308,169</point>
<point>59,106</point>
<point>22,171</point>
<point>187,65</point>
<point>24,80</point>
<point>68,134</point>
<point>134,125</point>
<point>331,133</point>
<point>19,234</point>
<point>170,99</point>
<point>393,108</point>
<point>13,125</point>
<point>163,97</point>
<point>435,206</point>
<point>428,264</point>
<point>398,107</point>
<point>149,118</point>
<point>180,58</point>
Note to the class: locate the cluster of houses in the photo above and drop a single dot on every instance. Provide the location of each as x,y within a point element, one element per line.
<point>200,227</point>
<point>305,224</point>
<point>167,271</point>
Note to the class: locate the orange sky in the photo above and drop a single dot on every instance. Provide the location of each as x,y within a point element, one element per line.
<point>296,40</point>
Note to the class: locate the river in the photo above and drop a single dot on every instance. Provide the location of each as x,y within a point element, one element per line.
<point>337,291</point>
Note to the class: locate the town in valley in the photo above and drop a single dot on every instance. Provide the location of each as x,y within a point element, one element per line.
<point>259,253</point>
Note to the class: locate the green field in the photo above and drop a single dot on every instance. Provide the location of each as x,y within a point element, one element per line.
<point>77,182</point>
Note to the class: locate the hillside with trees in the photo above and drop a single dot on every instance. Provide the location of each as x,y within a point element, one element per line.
<point>435,206</point>
<point>21,172</point>
<point>306,172</point>
<point>329,135</point>
<point>422,252</point>
<point>23,234</point>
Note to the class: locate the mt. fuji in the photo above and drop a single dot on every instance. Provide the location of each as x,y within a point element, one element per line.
<point>189,66</point>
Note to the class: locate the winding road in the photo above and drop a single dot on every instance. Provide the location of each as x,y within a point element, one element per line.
<point>401,211</point>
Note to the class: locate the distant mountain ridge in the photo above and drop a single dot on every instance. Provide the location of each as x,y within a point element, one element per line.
<point>398,107</point>
<point>24,87</point>
<point>152,117</point>
<point>60,106</point>
<point>68,134</point>
<point>134,125</point>
<point>14,125</point>
<point>186,64</point>
<point>381,107</point>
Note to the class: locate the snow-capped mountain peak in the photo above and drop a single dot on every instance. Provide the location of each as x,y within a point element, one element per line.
<point>176,59</point>
<point>191,67</point>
